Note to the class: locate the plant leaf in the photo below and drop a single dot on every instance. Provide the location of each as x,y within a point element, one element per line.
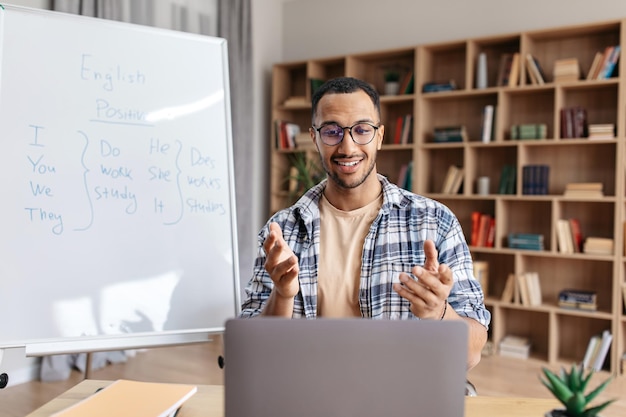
<point>598,390</point>
<point>593,411</point>
<point>561,390</point>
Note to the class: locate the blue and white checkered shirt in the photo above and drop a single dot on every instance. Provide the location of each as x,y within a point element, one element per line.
<point>393,244</point>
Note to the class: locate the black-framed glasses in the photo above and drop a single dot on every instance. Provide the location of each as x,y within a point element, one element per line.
<point>361,133</point>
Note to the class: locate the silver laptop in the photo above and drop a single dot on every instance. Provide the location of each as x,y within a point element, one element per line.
<point>344,367</point>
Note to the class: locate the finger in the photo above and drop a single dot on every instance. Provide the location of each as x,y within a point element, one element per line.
<point>430,251</point>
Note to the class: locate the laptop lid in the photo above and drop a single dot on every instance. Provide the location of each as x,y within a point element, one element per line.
<point>277,367</point>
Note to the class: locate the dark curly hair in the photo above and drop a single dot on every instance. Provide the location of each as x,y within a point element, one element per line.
<point>343,85</point>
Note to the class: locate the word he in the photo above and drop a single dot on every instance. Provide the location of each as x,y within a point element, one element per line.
<point>110,77</point>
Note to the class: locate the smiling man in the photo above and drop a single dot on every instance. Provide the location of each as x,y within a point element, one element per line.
<point>356,245</point>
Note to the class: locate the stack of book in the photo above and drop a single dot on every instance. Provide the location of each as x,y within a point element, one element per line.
<point>566,70</point>
<point>515,347</point>
<point>535,179</point>
<point>438,86</point>
<point>578,299</point>
<point>597,350</point>
<point>598,246</point>
<point>529,131</point>
<point>574,122</point>
<point>445,134</point>
<point>602,131</point>
<point>584,190</point>
<point>530,241</point>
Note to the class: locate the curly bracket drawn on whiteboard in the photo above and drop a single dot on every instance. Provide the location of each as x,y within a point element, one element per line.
<point>85,172</point>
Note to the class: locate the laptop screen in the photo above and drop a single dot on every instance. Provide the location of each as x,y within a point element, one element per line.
<point>344,367</point>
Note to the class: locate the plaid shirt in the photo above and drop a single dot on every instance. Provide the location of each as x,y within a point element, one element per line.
<point>393,244</point>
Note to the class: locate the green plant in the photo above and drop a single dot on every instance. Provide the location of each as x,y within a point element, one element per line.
<point>304,174</point>
<point>569,388</point>
<point>392,76</point>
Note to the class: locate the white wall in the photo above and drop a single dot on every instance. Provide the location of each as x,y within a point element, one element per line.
<point>323,28</point>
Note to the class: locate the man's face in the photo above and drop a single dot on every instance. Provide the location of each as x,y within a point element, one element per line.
<point>348,164</point>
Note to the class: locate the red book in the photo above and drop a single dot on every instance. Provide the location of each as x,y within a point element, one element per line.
<point>475,228</point>
<point>577,235</point>
<point>491,233</point>
<point>398,133</point>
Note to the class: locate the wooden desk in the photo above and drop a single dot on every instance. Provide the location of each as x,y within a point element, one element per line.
<point>209,402</point>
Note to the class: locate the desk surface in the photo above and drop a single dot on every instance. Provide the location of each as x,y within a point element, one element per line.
<point>209,402</point>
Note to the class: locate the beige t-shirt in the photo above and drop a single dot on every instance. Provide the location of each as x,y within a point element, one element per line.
<point>342,235</point>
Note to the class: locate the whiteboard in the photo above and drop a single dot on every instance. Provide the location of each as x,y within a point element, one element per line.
<point>117,221</point>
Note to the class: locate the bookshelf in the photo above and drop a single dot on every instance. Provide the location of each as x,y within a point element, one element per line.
<point>558,335</point>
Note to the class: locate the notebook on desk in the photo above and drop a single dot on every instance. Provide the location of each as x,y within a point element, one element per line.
<point>344,367</point>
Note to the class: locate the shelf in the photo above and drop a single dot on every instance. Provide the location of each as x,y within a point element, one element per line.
<point>558,335</point>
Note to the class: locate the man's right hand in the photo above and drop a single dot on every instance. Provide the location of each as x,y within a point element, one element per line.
<point>281,264</point>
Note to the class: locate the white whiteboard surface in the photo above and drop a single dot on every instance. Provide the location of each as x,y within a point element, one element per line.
<point>117,221</point>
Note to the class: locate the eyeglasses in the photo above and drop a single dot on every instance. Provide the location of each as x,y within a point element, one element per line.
<point>361,133</point>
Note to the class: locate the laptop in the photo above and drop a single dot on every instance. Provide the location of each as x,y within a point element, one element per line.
<point>276,367</point>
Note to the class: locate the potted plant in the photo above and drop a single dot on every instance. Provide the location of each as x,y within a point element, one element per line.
<point>569,388</point>
<point>304,174</point>
<point>392,82</point>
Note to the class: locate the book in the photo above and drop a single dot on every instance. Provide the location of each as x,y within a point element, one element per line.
<point>132,398</point>
<point>407,130</point>
<point>450,179</point>
<point>598,245</point>
<point>566,70</point>
<point>595,65</point>
<point>514,347</point>
<point>578,299</point>
<point>398,133</point>
<point>601,131</point>
<point>564,236</point>
<point>443,134</point>
<point>529,131</point>
<point>591,352</point>
<point>438,86</point>
<point>577,235</point>
<point>481,273</point>
<point>535,70</point>
<point>475,228</point>
<point>603,349</point>
<point>504,69</point>
<point>515,70</point>
<point>584,189</point>
<point>508,293</point>
<point>507,179</point>
<point>611,56</point>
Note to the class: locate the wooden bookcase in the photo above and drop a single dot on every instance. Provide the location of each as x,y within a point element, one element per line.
<point>558,335</point>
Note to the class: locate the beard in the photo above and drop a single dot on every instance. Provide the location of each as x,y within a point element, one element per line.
<point>333,176</point>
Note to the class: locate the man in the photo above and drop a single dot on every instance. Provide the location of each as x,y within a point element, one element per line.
<point>357,245</point>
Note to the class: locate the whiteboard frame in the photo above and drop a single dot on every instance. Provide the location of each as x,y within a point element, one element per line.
<point>140,340</point>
